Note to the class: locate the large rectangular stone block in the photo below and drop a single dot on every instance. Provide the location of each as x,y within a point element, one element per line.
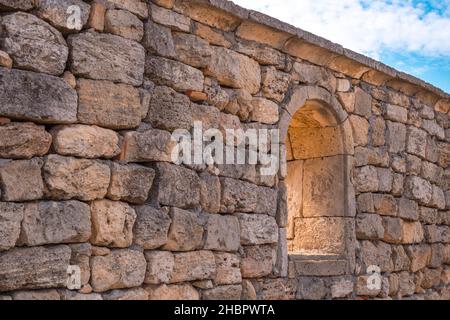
<point>34,268</point>
<point>194,265</point>
<point>11,215</point>
<point>257,229</point>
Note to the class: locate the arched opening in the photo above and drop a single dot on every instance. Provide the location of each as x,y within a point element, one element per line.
<point>320,224</point>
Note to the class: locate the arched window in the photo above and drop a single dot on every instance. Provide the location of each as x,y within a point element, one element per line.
<point>320,198</point>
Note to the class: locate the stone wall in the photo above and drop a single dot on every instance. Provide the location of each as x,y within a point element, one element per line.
<point>86,116</point>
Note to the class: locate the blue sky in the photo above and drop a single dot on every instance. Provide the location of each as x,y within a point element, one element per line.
<point>410,35</point>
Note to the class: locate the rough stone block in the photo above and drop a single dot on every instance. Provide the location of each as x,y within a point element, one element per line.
<point>174,74</point>
<point>396,113</point>
<point>126,294</point>
<point>257,229</point>
<point>85,141</point>
<point>112,223</point>
<point>107,57</point>
<point>103,103</point>
<point>210,193</point>
<point>130,183</point>
<point>21,180</point>
<point>124,24</point>
<point>22,31</point>
<point>275,83</point>
<point>408,209</point>
<point>82,179</point>
<point>192,50</point>
<point>17,5</point>
<point>420,256</point>
<point>412,232</point>
<point>234,70</point>
<point>418,189</point>
<point>123,268</point>
<point>257,261</point>
<point>37,97</point>
<point>377,254</point>
<point>416,141</point>
<point>393,230</point>
<point>49,222</point>
<point>151,227</point>
<point>170,18</point>
<point>172,292</point>
<point>396,136</point>
<point>23,140</point>
<point>228,292</point>
<point>366,179</point>
<point>34,268</point>
<point>169,110</point>
<point>177,186</point>
<point>158,39</point>
<point>137,7</point>
<point>186,231</point>
<point>264,111</point>
<point>222,233</point>
<point>57,14</point>
<point>194,265</point>
<point>11,215</point>
<point>228,269</point>
<point>159,266</point>
<point>369,227</point>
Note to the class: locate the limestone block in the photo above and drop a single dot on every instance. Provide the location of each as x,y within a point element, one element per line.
<point>130,183</point>
<point>222,233</point>
<point>151,227</point>
<point>227,292</point>
<point>146,146</point>
<point>49,222</point>
<point>158,39</point>
<point>23,140</point>
<point>228,269</point>
<point>194,265</point>
<point>124,24</point>
<point>257,261</point>
<point>159,266</point>
<point>23,31</point>
<point>82,179</point>
<point>192,50</point>
<point>186,231</point>
<point>369,227</point>
<point>106,57</point>
<point>172,292</point>
<point>57,14</point>
<point>11,215</point>
<point>112,223</point>
<point>257,229</point>
<point>274,83</point>
<point>137,7</point>
<point>123,268</point>
<point>110,105</point>
<point>21,180</point>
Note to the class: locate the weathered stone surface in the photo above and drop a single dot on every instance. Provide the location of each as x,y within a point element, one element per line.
<point>228,269</point>
<point>240,103</point>
<point>123,268</point>
<point>97,16</point>
<point>366,179</point>
<point>158,39</point>
<point>314,75</point>
<point>82,179</point>
<point>169,110</point>
<point>186,231</point>
<point>81,253</point>
<point>48,222</point>
<point>412,232</point>
<point>420,256</point>
<point>400,260</point>
<point>5,60</point>
<point>103,103</point>
<point>145,146</point>
<point>77,296</point>
<point>274,83</point>
<point>194,265</point>
<point>360,128</point>
<point>175,74</point>
<point>437,198</point>
<point>222,233</point>
<point>34,268</point>
<point>17,4</point>
<point>377,254</point>
<point>107,57</point>
<point>257,229</point>
<point>58,14</point>
<point>240,196</point>
<point>37,97</point>
<point>228,292</point>
<point>159,266</point>
<point>418,189</point>
<point>210,193</point>
<point>137,7</point>
<point>23,140</point>
<point>21,180</point>
<point>124,24</point>
<point>11,215</point>
<point>170,18</point>
<point>263,54</point>
<point>126,294</point>
<point>234,70</point>
<point>192,50</point>
<point>264,111</point>
<point>434,233</point>
<point>172,292</point>
<point>130,183</point>
<point>85,141</point>
<point>212,36</point>
<point>112,223</point>
<point>416,141</point>
<point>396,136</point>
<point>40,295</point>
<point>33,44</point>
<point>393,230</point>
<point>311,289</point>
<point>177,186</point>
<point>321,234</point>
<point>151,227</point>
<point>408,209</point>
<point>396,113</point>
<point>369,227</point>
<point>257,261</point>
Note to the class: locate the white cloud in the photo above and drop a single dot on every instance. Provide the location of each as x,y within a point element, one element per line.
<point>368,26</point>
